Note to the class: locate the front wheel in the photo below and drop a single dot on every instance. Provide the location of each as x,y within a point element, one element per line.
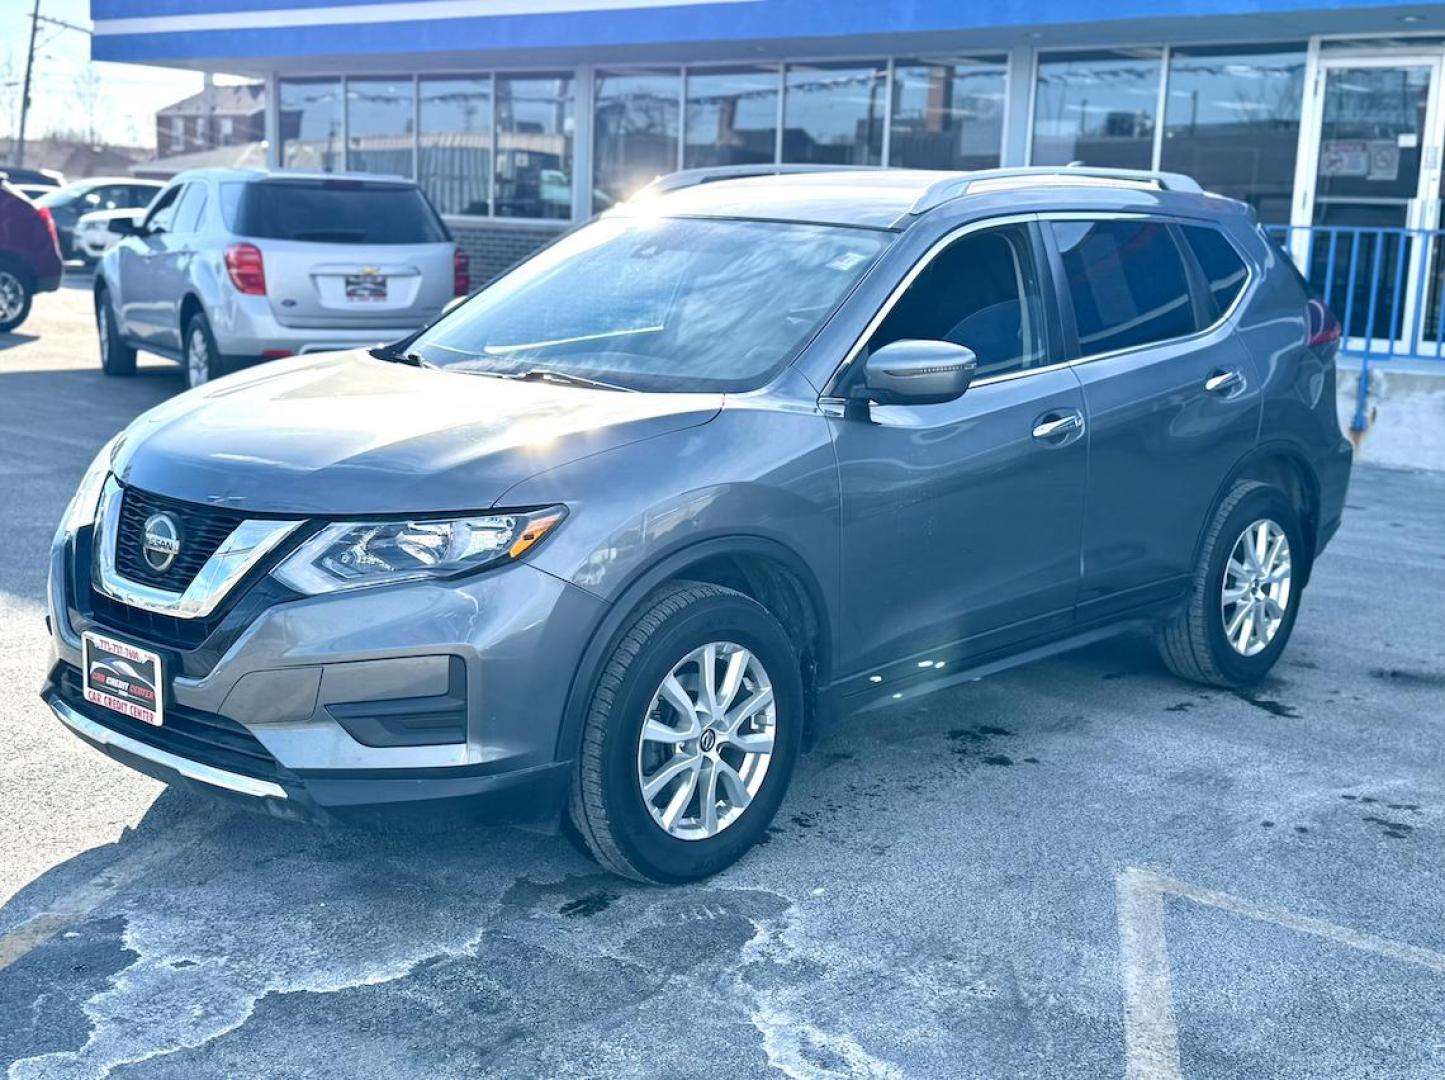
<point>116,357</point>
<point>1246,591</point>
<point>691,736</point>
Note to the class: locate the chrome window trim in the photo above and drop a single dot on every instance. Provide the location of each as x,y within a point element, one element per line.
<point>238,554</point>
<point>831,400</point>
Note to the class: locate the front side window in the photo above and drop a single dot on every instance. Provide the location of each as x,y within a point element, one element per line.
<point>667,304</point>
<point>163,211</point>
<point>983,292</point>
<point>1097,108</point>
<point>190,208</point>
<point>635,138</point>
<point>1127,282</point>
<point>534,147</point>
<point>311,124</point>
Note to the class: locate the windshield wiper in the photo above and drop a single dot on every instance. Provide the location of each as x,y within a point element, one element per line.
<point>410,359</point>
<point>566,378</point>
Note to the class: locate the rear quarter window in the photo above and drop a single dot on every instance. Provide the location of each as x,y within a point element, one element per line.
<point>1224,270</point>
<point>331,212</point>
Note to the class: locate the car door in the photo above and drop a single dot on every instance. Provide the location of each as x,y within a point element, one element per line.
<point>1172,403</point>
<point>960,522</point>
<point>170,268</point>
<point>138,260</point>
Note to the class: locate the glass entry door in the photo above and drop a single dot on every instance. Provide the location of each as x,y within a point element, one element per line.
<point>1373,200</point>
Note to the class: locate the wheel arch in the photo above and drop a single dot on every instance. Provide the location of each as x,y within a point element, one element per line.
<point>190,305</point>
<point>1285,467</point>
<point>759,567</point>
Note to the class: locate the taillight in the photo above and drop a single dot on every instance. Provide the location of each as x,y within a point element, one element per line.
<point>246,269</point>
<point>46,216</point>
<point>1324,327</point>
<point>461,274</point>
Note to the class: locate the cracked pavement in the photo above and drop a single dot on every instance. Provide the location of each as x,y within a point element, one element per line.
<point>936,899</point>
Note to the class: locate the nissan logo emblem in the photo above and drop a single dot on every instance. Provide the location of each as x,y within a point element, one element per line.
<point>161,542</point>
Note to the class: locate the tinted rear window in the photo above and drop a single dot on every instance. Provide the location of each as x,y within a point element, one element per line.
<point>1127,282</point>
<point>331,212</point>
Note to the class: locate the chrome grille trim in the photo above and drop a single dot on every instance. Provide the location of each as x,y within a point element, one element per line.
<point>248,544</point>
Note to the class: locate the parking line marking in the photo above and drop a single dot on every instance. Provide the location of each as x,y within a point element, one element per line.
<point>1151,1034</point>
<point>75,905</point>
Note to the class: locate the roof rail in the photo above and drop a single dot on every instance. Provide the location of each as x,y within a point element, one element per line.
<point>686,178</point>
<point>957,186</point>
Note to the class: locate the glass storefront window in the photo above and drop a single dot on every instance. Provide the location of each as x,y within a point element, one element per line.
<point>534,146</point>
<point>833,113</point>
<point>454,163</point>
<point>947,115</point>
<point>380,119</point>
<point>310,127</point>
<point>732,116</point>
<point>1232,122</point>
<point>1097,108</point>
<point>635,134</point>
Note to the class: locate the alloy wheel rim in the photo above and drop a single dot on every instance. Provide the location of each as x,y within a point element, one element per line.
<point>198,359</point>
<point>1255,595</point>
<point>12,296</point>
<point>707,741</point>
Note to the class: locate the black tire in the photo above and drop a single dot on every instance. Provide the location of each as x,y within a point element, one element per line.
<point>607,808</point>
<point>116,357</point>
<point>216,365</point>
<point>1194,644</point>
<point>15,284</point>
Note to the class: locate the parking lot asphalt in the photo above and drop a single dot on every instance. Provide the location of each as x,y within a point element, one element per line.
<point>1080,868</point>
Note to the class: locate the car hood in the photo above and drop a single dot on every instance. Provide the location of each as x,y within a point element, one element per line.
<point>346,434</point>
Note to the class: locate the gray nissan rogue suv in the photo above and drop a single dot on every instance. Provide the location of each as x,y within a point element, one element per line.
<point>605,542</point>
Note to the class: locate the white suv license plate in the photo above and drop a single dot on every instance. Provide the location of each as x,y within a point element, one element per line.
<point>123,678</point>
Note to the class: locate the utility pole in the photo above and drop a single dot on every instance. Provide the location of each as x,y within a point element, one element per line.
<point>25,88</point>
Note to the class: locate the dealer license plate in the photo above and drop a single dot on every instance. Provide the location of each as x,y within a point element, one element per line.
<point>123,678</point>
<point>365,288</point>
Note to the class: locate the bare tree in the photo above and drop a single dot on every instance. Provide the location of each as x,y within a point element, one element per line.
<point>87,96</point>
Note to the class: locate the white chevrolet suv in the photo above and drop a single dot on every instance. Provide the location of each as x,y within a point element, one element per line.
<point>229,267</point>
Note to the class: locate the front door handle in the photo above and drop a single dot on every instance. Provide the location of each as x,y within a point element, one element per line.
<point>1057,426</point>
<point>1224,381</point>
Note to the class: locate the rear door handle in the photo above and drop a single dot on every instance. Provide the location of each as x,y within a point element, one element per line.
<point>1056,427</point>
<point>1222,381</point>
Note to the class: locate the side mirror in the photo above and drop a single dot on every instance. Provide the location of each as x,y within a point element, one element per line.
<point>123,226</point>
<point>913,372</point>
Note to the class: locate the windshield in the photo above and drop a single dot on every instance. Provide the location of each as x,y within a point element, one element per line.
<point>672,304</point>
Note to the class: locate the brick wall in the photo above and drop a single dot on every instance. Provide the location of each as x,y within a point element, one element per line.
<point>495,247</point>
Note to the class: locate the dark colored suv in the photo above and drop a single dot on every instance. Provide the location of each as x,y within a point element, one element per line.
<point>741,455</point>
<point>29,256</point>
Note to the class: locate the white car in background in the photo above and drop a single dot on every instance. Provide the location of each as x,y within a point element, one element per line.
<point>93,235</point>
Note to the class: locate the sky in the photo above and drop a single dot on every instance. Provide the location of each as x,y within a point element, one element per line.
<point>69,92</point>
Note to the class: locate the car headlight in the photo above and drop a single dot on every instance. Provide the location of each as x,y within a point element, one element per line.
<point>355,554</point>
<point>81,510</point>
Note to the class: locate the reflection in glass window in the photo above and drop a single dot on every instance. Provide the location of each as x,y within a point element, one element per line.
<point>1126,281</point>
<point>947,115</point>
<point>380,119</point>
<point>534,146</point>
<point>454,166</point>
<point>1223,269</point>
<point>732,116</point>
<point>1232,122</point>
<point>635,139</point>
<point>833,113</point>
<point>311,124</point>
<point>1097,108</point>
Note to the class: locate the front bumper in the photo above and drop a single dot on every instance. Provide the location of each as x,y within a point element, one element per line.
<point>265,707</point>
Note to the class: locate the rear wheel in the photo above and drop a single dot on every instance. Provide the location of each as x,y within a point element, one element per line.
<point>203,361</point>
<point>16,293</point>
<point>691,736</point>
<point>1246,591</point>
<point>116,357</point>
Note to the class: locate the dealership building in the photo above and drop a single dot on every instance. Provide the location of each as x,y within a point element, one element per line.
<point>520,117</point>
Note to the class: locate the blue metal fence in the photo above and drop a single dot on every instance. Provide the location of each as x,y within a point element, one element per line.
<point>1383,284</point>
